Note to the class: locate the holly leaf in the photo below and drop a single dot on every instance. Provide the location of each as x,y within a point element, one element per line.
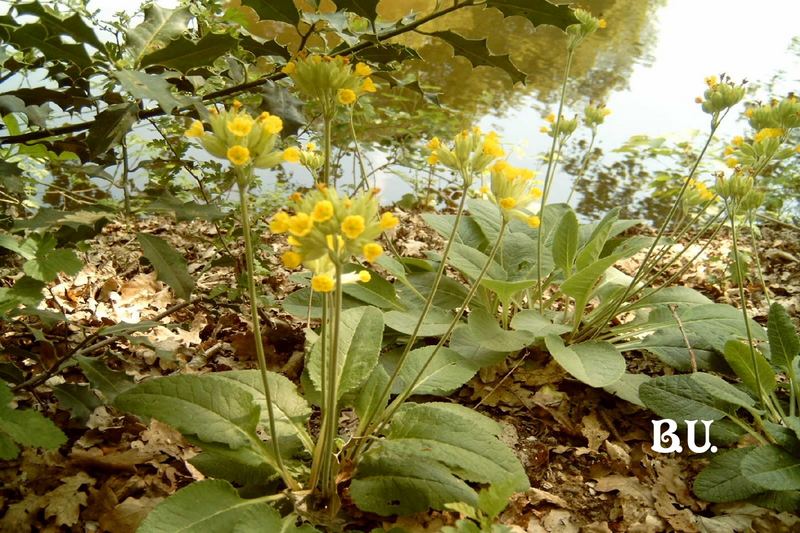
<point>148,86</point>
<point>184,54</point>
<point>109,127</point>
<point>476,51</point>
<point>537,11</point>
<point>363,8</point>
<point>280,10</point>
<point>159,27</point>
<point>73,26</point>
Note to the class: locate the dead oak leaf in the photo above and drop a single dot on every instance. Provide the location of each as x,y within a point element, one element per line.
<point>592,429</point>
<point>64,502</point>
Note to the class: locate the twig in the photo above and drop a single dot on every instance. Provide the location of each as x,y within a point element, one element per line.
<point>57,366</point>
<point>692,355</point>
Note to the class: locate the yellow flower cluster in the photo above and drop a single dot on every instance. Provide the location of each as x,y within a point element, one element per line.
<point>238,137</point>
<point>330,80</point>
<point>309,157</point>
<point>720,95</point>
<point>595,114</point>
<point>782,114</point>
<point>772,123</point>
<point>513,191</point>
<point>587,25</point>
<point>697,192</point>
<point>566,126</point>
<point>471,153</point>
<point>327,229</point>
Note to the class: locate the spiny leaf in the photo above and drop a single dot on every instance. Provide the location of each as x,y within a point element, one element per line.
<point>73,26</point>
<point>280,10</point>
<point>170,266</point>
<point>362,8</point>
<point>185,55</point>
<point>159,27</point>
<point>537,11</point>
<point>148,86</point>
<point>110,126</point>
<point>36,36</point>
<point>476,51</point>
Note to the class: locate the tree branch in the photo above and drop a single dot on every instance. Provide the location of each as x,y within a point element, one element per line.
<point>235,89</point>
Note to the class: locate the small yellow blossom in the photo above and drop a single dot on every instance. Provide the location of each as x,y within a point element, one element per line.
<point>293,241</point>
<point>353,226</point>
<point>364,276</point>
<point>536,193</point>
<point>434,143</point>
<point>526,174</point>
<point>533,221</point>
<point>310,147</point>
<point>602,24</point>
<point>291,260</point>
<point>363,70</point>
<point>368,86</point>
<point>323,210</point>
<point>300,225</point>
<point>797,148</point>
<point>346,96</point>
<point>729,150</point>
<point>289,68</point>
<point>767,133</point>
<point>711,81</point>
<point>433,159</point>
<point>195,130</point>
<point>551,118</point>
<point>388,221</point>
<point>240,126</point>
<point>272,124</point>
<point>731,162</point>
<point>372,251</point>
<point>279,223</point>
<point>322,283</point>
<point>291,154</point>
<point>749,112</point>
<point>491,146</point>
<point>484,189</point>
<point>698,100</point>
<point>237,104</point>
<point>737,140</point>
<point>544,129</point>
<point>508,202</point>
<point>238,155</point>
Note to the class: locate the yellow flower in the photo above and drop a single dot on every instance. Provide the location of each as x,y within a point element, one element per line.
<point>310,147</point>
<point>372,251</point>
<point>291,260</point>
<point>238,155</point>
<point>292,241</point>
<point>748,112</point>
<point>527,174</point>
<point>711,81</point>
<point>237,104</point>
<point>533,221</point>
<point>388,221</point>
<point>602,24</point>
<point>545,129</point>
<point>364,276</point>
<point>729,150</point>
<point>353,226</point>
<point>272,124</point>
<point>363,70</point>
<point>291,154</point>
<point>195,130</point>
<point>766,133</point>
<point>323,210</point>
<point>434,143</point>
<point>289,68</point>
<point>731,162</point>
<point>279,223</point>
<point>737,140</point>
<point>300,225</point>
<point>322,283</point>
<point>484,189</point>
<point>346,96</point>
<point>433,159</point>
<point>797,148</point>
<point>368,86</point>
<point>508,202</point>
<point>240,126</point>
<point>536,193</point>
<point>491,146</point>
<point>551,118</point>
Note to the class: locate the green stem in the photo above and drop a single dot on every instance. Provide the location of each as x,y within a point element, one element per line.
<point>584,166</point>
<point>359,156</point>
<point>332,389</point>
<point>755,255</point>
<point>327,119</point>
<point>318,459</point>
<point>755,434</point>
<point>262,361</point>
<point>548,179</point>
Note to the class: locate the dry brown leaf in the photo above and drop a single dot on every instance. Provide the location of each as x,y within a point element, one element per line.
<point>538,495</point>
<point>64,503</point>
<point>127,516</point>
<point>593,430</point>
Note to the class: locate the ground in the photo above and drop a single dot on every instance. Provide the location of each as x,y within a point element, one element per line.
<point>587,453</point>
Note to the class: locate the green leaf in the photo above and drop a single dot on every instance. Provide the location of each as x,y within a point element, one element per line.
<point>26,291</point>
<point>214,410</point>
<point>47,264</point>
<point>367,401</point>
<point>537,11</point>
<point>436,322</point>
<point>565,242</point>
<point>148,87</point>
<point>29,428</point>
<point>54,49</point>
<point>169,264</point>
<point>110,126</point>
<point>670,346</point>
<point>530,320</point>
<point>469,232</point>
<point>387,54</point>
<point>482,342</point>
<point>717,323</point>
<point>213,506</point>
<point>362,8</point>
<point>245,467</point>
<point>739,356</point>
<point>596,363</point>
<point>73,26</point>
<point>719,388</point>
<point>184,55</point>
<point>280,10</point>
<point>495,498</point>
<point>377,292</point>
<point>447,371</point>
<point>681,398</point>
<point>772,468</point>
<point>487,216</point>
<point>722,480</point>
<point>627,388</point>
<point>449,294</point>
<point>390,482</point>
<point>109,382</point>
<point>79,400</point>
<point>590,252</point>
<point>784,345</point>
<point>159,27</point>
<point>360,336</point>
<point>680,296</point>
<point>8,450</point>
<point>476,51</point>
<point>297,303</point>
<point>290,408</point>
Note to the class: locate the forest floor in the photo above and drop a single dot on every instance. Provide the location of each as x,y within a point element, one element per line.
<point>588,454</point>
